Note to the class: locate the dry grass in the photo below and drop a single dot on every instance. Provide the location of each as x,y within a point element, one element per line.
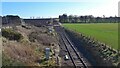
<point>28,52</point>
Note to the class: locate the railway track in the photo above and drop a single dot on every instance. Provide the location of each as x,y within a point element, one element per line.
<point>73,54</point>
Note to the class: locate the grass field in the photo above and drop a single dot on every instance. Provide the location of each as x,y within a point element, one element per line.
<point>104,32</point>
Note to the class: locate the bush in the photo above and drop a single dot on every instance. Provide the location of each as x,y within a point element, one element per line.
<point>33,36</point>
<point>11,34</point>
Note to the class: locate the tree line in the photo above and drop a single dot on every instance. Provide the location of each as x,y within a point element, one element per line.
<point>88,19</point>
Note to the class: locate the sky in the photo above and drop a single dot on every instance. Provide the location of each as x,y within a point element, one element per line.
<point>54,9</point>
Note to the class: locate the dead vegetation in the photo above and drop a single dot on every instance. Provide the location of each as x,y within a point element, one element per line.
<point>30,49</point>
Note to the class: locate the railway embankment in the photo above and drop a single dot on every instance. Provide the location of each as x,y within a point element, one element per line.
<point>97,53</point>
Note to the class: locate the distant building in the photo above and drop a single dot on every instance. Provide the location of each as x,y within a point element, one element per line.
<point>11,21</point>
<point>37,22</point>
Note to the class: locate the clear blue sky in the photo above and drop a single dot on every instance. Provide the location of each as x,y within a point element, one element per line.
<point>54,9</point>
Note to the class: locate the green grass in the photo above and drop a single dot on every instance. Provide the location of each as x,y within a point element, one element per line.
<point>104,32</point>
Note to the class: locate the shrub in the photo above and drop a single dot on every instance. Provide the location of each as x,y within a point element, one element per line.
<point>11,34</point>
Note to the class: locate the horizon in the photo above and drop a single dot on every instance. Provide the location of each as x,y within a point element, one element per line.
<point>54,9</point>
